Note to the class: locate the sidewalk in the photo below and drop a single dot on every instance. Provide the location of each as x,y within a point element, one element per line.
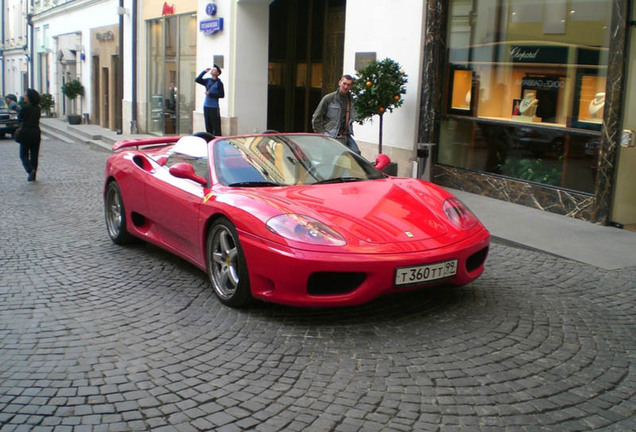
<point>86,133</point>
<point>600,246</point>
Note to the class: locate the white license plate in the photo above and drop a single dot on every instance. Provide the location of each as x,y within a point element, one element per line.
<point>425,273</point>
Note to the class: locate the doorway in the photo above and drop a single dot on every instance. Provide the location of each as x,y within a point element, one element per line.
<point>105,120</point>
<point>306,49</point>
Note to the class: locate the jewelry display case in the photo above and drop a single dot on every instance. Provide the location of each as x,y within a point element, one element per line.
<point>462,98</point>
<point>526,108</point>
<point>589,100</point>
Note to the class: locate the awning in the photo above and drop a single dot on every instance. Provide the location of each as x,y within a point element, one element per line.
<point>66,56</point>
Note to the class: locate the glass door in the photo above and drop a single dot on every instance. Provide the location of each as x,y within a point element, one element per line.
<point>171,73</point>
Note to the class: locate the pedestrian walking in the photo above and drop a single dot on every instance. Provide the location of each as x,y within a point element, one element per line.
<point>29,135</point>
<point>335,114</point>
<point>213,92</point>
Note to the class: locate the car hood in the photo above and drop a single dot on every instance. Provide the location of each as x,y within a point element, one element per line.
<point>380,211</point>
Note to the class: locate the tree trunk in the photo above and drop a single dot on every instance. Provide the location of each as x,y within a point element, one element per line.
<point>380,147</point>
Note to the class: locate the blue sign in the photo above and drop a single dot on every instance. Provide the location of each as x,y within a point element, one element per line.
<point>210,9</point>
<point>211,26</point>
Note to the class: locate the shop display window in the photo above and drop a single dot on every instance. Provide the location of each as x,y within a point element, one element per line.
<point>521,101</point>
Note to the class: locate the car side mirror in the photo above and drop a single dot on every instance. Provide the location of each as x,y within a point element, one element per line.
<point>186,171</point>
<point>381,161</point>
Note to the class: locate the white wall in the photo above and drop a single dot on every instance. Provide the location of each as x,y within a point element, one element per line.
<point>251,66</point>
<point>15,38</point>
<point>127,67</point>
<point>208,46</point>
<point>390,29</point>
<point>243,45</point>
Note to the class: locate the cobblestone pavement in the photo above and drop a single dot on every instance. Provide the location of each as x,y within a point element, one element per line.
<point>96,337</point>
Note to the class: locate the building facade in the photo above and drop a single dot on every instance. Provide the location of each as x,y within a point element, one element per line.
<point>523,101</point>
<point>14,47</point>
<point>78,39</point>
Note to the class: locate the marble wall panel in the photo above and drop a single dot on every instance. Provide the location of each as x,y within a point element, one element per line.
<point>554,200</point>
<point>613,113</point>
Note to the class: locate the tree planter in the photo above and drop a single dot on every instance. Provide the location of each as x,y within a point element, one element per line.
<point>72,89</point>
<point>74,119</point>
<point>391,169</point>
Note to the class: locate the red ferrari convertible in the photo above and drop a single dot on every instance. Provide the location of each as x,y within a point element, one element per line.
<point>296,219</point>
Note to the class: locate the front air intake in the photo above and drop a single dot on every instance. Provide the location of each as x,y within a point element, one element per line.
<point>333,283</point>
<point>477,259</point>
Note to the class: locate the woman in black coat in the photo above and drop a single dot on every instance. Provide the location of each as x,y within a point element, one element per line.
<point>29,137</point>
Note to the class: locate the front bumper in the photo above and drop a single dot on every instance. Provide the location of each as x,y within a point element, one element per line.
<point>9,126</point>
<point>282,275</point>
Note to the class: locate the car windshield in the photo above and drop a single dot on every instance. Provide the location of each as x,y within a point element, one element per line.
<point>285,160</point>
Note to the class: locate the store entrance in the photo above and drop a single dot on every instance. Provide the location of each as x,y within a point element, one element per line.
<point>170,83</point>
<point>306,49</point>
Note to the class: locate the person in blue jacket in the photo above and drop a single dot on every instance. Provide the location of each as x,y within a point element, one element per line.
<point>213,92</point>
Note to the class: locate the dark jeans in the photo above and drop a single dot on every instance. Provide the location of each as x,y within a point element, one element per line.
<point>29,153</point>
<point>348,140</point>
<point>212,121</point>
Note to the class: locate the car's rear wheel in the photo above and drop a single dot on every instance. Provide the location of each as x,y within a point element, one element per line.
<point>115,214</point>
<point>226,264</point>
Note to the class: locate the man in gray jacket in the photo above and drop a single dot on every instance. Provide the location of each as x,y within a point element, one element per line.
<point>335,114</point>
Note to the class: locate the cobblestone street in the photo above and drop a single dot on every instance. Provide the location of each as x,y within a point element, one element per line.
<point>98,337</point>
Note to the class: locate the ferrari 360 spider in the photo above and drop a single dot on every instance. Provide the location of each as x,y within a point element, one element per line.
<point>296,219</point>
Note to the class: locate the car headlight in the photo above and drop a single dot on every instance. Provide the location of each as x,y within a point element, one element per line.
<point>304,229</point>
<point>13,116</point>
<point>459,214</point>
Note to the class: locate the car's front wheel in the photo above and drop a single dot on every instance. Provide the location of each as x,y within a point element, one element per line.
<point>226,264</point>
<point>115,214</point>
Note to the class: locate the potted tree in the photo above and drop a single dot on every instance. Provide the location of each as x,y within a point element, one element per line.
<point>46,103</point>
<point>379,88</point>
<point>72,89</point>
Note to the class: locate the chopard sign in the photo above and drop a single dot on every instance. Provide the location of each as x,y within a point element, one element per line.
<point>518,54</point>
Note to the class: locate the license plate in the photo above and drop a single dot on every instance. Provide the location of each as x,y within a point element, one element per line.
<point>425,273</point>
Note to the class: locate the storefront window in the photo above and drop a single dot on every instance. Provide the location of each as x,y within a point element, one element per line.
<point>171,73</point>
<point>526,87</point>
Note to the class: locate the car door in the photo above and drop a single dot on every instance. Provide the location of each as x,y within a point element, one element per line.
<point>173,204</point>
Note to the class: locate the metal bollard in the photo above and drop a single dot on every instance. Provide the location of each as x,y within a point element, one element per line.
<point>424,160</point>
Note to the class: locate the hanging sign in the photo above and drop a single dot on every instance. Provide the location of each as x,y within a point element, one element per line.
<point>211,26</point>
<point>210,9</point>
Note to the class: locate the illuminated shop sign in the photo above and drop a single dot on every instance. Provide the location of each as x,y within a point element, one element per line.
<point>526,54</point>
<point>538,54</point>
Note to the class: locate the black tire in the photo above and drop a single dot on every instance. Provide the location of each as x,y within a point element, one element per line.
<point>115,214</point>
<point>226,265</point>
